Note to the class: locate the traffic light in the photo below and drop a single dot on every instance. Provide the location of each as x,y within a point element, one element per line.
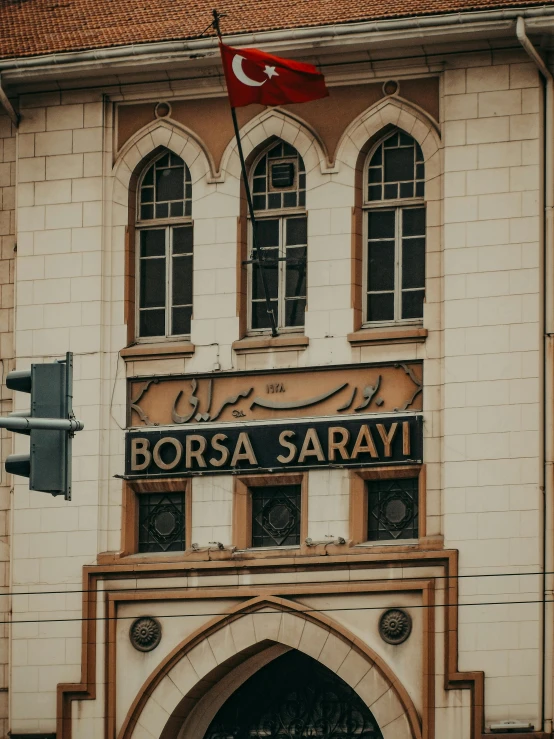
<point>48,464</point>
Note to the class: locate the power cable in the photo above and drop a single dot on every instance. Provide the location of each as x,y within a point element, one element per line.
<point>255,613</point>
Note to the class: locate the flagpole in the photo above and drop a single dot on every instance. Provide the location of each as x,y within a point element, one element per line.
<point>259,260</point>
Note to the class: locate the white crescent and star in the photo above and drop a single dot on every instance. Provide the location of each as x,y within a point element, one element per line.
<point>241,75</point>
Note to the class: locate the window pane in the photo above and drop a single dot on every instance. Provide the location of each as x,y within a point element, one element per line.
<point>146,212</point>
<point>380,224</point>
<point>152,283</point>
<point>170,184</point>
<point>380,265</point>
<point>294,312</point>
<point>297,231</point>
<point>182,240</point>
<point>161,522</point>
<point>149,177</point>
<point>296,264</point>
<point>380,307</point>
<point>181,318</point>
<point>391,192</point>
<point>162,210</point>
<point>413,263</point>
<point>267,232</point>
<point>182,280</point>
<point>412,304</point>
<point>276,516</point>
<point>289,199</point>
<point>413,222</point>
<point>259,202</point>
<point>147,195</point>
<point>274,200</point>
<point>271,273</point>
<point>152,243</point>
<point>260,318</point>
<point>392,509</point>
<point>399,164</point>
<point>176,210</point>
<point>152,322</point>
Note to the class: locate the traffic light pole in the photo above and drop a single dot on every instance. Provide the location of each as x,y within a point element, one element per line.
<point>13,423</point>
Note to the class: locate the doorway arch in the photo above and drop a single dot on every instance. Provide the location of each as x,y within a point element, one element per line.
<point>260,626</point>
<point>294,695</point>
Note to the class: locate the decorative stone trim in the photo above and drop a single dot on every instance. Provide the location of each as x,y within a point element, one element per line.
<point>395,626</point>
<point>255,344</point>
<point>145,633</point>
<point>378,336</point>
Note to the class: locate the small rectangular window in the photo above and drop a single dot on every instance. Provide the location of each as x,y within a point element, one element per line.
<point>276,514</point>
<point>392,509</point>
<point>161,522</point>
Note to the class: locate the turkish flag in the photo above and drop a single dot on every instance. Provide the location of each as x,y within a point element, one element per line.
<point>256,77</point>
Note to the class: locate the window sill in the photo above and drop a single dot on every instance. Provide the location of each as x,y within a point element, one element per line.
<point>393,335</point>
<point>157,351</point>
<point>256,344</point>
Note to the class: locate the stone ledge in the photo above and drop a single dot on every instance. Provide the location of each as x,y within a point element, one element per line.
<point>374,337</point>
<point>157,351</point>
<point>252,344</point>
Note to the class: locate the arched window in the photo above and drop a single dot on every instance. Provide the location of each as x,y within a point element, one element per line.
<point>294,696</point>
<point>164,249</point>
<point>279,193</point>
<point>394,268</point>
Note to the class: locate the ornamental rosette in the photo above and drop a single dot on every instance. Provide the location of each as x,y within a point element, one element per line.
<point>145,633</point>
<point>395,626</point>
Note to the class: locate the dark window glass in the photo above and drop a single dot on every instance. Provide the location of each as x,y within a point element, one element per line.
<point>413,222</point>
<point>412,304</point>
<point>181,318</point>
<point>380,266</point>
<point>380,307</point>
<point>260,317</point>
<point>413,263</point>
<point>152,283</point>
<point>152,243</point>
<point>152,323</point>
<point>165,192</point>
<point>182,240</point>
<point>276,516</point>
<point>397,164</point>
<point>294,697</point>
<point>167,185</point>
<point>282,240</point>
<point>161,522</point>
<point>392,509</point>
<point>182,280</point>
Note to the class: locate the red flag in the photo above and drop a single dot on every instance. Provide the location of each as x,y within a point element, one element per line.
<point>256,77</point>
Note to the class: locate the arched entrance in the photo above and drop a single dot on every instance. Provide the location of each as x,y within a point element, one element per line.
<point>294,696</point>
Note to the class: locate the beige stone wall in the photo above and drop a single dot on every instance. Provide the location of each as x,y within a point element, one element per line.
<point>481,355</point>
<point>491,369</point>
<point>7,263</point>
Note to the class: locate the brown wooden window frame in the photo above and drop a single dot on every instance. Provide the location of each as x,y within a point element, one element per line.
<point>359,503</point>
<point>132,490</point>
<point>242,509</point>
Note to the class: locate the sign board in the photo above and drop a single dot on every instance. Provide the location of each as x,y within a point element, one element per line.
<point>242,397</point>
<point>344,442</point>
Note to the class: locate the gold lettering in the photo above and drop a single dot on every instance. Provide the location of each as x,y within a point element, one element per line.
<point>283,436</point>
<point>315,450</point>
<point>387,438</point>
<point>176,444</point>
<point>405,437</point>
<point>140,448</point>
<point>338,446</point>
<point>364,443</point>
<point>218,447</point>
<point>198,453</point>
<point>243,450</point>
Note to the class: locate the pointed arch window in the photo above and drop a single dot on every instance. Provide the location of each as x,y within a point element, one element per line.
<point>278,183</point>
<point>164,249</point>
<point>394,233</point>
<point>294,696</point>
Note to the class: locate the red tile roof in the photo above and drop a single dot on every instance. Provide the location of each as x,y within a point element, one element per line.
<point>33,27</point>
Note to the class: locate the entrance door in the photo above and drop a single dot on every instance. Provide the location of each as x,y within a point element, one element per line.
<point>294,697</point>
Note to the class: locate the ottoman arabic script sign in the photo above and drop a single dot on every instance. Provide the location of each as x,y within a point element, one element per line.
<point>243,397</point>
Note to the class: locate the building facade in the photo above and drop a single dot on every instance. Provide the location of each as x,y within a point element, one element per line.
<point>345,529</point>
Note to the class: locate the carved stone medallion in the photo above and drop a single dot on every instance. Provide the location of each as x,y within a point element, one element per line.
<point>145,633</point>
<point>395,626</point>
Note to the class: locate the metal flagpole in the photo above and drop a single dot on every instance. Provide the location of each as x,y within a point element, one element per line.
<point>259,260</point>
